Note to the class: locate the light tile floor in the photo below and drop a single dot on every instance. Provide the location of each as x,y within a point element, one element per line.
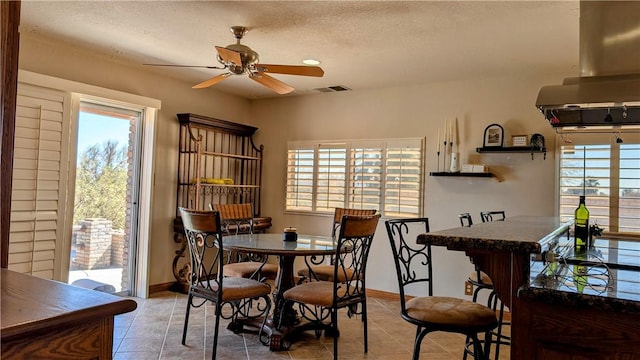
<point>154,331</point>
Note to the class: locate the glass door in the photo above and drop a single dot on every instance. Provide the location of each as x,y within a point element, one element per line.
<point>103,242</point>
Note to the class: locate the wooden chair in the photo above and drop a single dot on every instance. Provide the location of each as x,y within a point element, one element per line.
<point>431,313</point>
<point>315,269</point>
<point>238,219</point>
<point>318,302</point>
<point>482,281</point>
<point>245,298</point>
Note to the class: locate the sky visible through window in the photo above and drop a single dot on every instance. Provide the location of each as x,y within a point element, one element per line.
<point>96,129</point>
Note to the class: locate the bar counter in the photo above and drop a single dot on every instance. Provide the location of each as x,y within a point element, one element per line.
<point>553,315</point>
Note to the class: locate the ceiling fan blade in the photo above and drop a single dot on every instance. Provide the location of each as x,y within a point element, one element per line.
<point>272,83</point>
<point>189,66</point>
<point>291,69</point>
<point>214,80</point>
<point>229,55</point>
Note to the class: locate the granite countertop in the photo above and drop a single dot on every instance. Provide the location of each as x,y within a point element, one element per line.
<point>528,234</point>
<point>606,277</point>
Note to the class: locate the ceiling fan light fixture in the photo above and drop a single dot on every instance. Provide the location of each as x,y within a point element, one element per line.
<point>240,59</point>
<point>311,62</point>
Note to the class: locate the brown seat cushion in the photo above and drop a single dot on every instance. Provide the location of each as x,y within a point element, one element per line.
<point>484,278</point>
<point>239,288</point>
<point>324,273</point>
<point>248,268</point>
<point>451,311</point>
<point>314,293</point>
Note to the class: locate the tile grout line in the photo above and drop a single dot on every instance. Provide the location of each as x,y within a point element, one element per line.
<point>124,336</point>
<point>166,332</point>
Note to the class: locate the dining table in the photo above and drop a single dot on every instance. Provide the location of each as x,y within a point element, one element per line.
<point>284,320</point>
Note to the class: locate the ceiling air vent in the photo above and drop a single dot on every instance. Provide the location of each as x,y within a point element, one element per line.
<point>333,88</point>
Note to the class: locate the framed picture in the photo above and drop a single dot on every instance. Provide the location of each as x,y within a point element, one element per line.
<point>493,136</point>
<point>519,140</point>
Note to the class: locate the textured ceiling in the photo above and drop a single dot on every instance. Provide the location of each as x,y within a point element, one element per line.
<point>361,45</point>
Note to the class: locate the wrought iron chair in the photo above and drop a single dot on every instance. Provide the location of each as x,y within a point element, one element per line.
<point>465,219</point>
<point>246,298</point>
<point>314,268</point>
<point>482,281</point>
<point>487,216</point>
<point>431,313</point>
<point>238,219</point>
<point>318,302</point>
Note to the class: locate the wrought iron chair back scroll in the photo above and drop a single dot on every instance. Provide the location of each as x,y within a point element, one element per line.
<point>413,264</point>
<point>319,301</point>
<point>244,298</point>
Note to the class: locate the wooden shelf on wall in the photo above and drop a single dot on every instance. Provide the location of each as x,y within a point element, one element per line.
<point>463,174</point>
<point>513,149</point>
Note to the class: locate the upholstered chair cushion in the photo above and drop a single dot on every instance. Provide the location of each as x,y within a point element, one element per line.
<point>451,311</point>
<point>315,293</point>
<point>324,273</point>
<point>248,268</point>
<point>239,288</point>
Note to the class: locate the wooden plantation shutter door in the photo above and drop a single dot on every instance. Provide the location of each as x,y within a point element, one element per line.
<point>40,178</point>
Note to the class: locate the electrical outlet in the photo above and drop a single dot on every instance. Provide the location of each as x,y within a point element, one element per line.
<point>468,288</point>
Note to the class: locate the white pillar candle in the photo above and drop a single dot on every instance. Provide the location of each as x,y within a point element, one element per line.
<point>451,132</point>
<point>446,131</point>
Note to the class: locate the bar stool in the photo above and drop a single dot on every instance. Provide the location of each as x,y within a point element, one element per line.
<point>488,216</point>
<point>482,281</point>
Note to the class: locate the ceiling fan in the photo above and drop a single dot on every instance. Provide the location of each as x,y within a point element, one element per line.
<point>239,59</point>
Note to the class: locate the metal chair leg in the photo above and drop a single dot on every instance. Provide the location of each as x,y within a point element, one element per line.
<point>186,319</point>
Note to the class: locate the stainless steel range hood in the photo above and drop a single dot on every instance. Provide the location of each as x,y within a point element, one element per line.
<point>608,90</point>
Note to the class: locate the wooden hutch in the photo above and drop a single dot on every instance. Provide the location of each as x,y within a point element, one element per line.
<point>218,163</point>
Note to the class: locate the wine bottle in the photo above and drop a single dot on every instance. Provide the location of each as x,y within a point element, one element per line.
<point>581,226</point>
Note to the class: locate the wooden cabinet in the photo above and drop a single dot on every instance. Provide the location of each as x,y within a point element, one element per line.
<point>580,332</point>
<point>218,163</point>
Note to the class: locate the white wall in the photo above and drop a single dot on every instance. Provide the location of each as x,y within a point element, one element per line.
<point>62,61</point>
<point>527,186</point>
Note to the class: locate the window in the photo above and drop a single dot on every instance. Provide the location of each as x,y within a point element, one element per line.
<point>386,175</point>
<point>607,172</point>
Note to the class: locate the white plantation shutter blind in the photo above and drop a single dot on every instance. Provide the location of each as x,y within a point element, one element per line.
<point>594,175</point>
<point>629,186</point>
<point>608,173</point>
<point>366,178</point>
<point>331,176</point>
<point>39,180</point>
<point>300,179</point>
<point>385,175</point>
<point>403,179</point>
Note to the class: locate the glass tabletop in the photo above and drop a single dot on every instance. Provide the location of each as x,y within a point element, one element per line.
<point>273,244</point>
